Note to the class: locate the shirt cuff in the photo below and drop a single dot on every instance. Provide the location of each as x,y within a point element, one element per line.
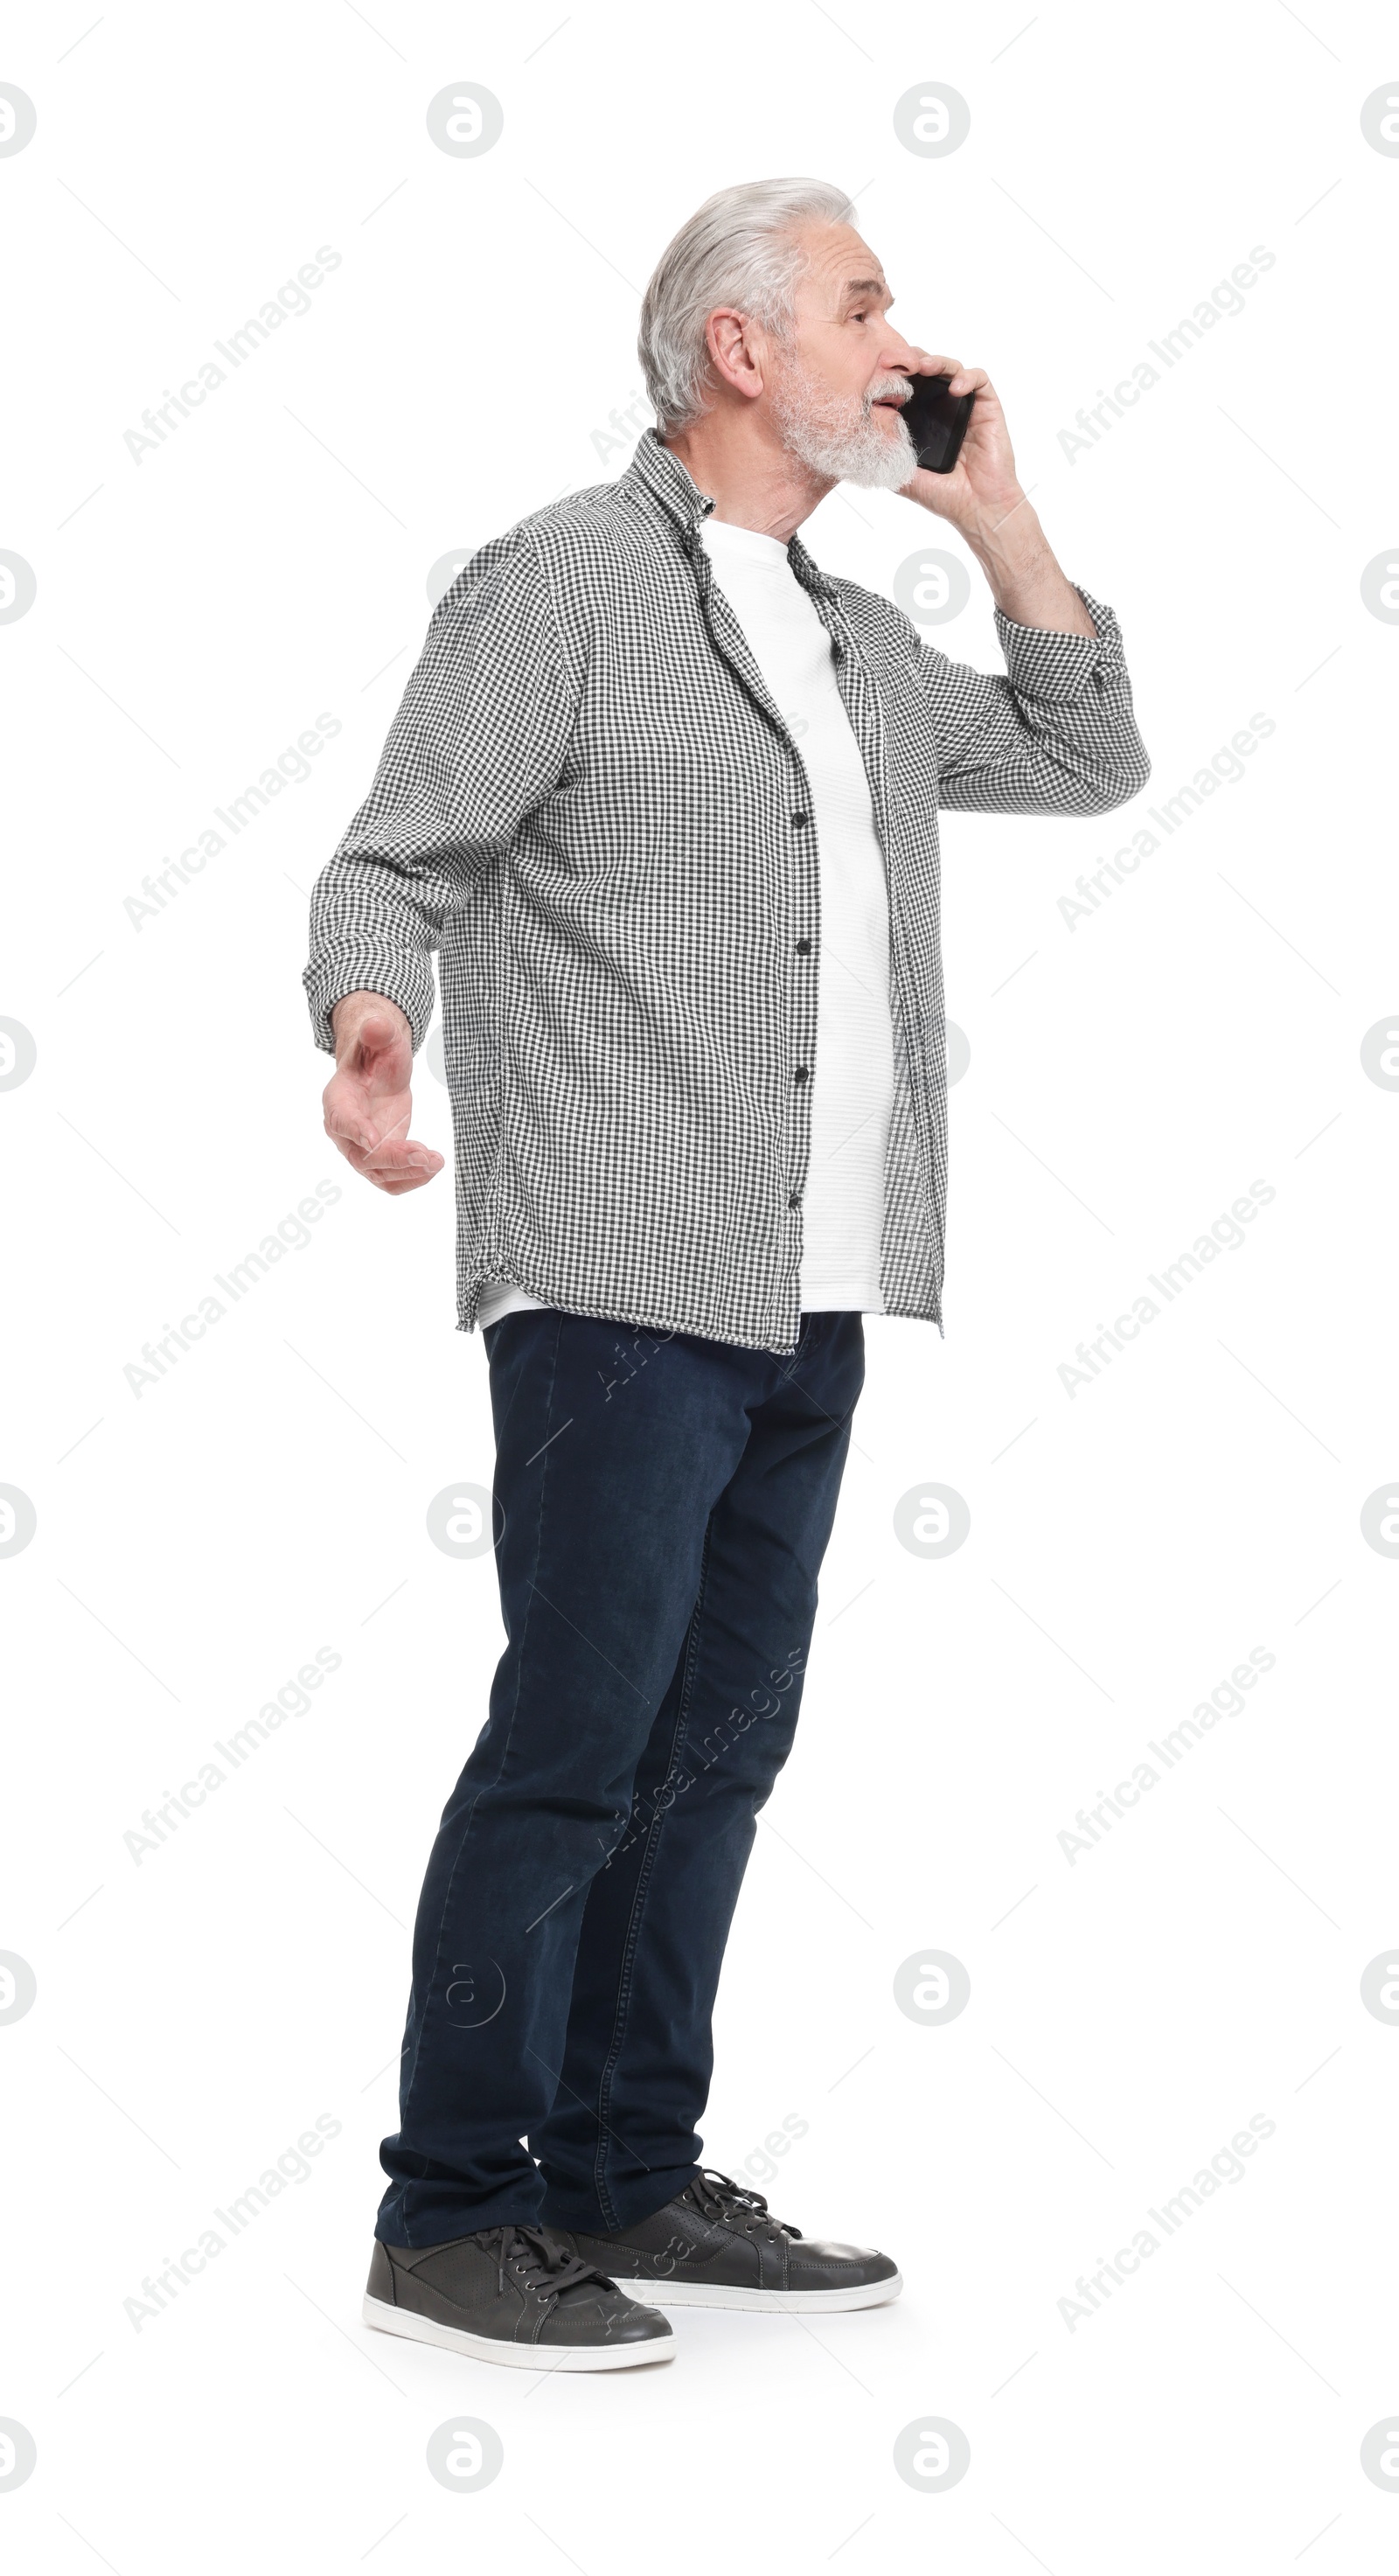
<point>1045,662</point>
<point>406,980</point>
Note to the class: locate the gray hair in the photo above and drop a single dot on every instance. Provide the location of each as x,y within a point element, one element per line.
<point>740,249</point>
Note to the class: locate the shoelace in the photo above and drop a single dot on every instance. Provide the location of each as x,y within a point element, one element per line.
<point>537,2259</point>
<point>716,2196</point>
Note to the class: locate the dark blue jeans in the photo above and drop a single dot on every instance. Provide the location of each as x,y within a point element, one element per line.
<point>662,1509</point>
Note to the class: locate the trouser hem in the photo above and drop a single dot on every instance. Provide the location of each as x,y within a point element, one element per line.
<point>644,2199</point>
<point>441,2225</point>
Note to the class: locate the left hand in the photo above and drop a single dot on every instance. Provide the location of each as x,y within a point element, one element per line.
<point>982,488</point>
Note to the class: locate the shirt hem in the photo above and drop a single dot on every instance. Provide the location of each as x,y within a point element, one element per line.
<point>669,1323</point>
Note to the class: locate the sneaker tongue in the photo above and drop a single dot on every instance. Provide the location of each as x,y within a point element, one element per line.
<point>728,2196</point>
<point>537,2243</point>
<point>716,2196</point>
<point>543,2253</point>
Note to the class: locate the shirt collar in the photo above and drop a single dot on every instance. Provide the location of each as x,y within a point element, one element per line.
<point>656,470</point>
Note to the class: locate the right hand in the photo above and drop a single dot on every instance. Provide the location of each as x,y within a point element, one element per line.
<point>368,1100</point>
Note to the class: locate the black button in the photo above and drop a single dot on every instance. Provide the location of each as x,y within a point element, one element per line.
<point>803,948</point>
<point>800,821</point>
<point>802,1074</point>
<point>795,1200</point>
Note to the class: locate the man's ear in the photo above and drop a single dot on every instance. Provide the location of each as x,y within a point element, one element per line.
<point>735,352</point>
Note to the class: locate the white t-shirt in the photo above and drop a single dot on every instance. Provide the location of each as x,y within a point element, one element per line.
<point>853,1078</point>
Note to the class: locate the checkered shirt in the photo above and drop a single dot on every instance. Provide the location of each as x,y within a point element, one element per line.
<point>590,807</point>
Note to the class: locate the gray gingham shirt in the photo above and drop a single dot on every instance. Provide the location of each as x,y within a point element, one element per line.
<point>590,807</point>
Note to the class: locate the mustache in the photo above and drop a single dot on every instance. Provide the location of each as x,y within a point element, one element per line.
<point>889,389</point>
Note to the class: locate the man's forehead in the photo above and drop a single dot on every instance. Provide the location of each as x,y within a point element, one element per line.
<point>841,261</point>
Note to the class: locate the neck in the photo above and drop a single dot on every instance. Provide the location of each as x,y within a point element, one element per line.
<point>754,480</point>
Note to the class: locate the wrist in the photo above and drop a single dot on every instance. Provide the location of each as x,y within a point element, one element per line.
<point>1006,530</point>
<point>349,1015</point>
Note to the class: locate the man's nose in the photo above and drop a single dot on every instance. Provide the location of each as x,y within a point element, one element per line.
<point>897,357</point>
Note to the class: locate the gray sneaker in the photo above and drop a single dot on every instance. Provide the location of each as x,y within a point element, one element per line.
<point>717,2245</point>
<point>514,2294</point>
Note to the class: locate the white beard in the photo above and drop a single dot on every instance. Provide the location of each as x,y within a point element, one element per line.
<point>836,434</point>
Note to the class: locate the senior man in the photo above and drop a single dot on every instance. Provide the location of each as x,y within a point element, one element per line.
<point>664,797</point>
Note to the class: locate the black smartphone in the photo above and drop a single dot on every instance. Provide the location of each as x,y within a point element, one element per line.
<point>936,424</point>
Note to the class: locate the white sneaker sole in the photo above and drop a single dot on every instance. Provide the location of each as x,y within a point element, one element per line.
<point>516,2356</point>
<point>718,2294</point>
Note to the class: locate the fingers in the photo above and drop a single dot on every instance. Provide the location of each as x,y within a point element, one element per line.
<point>387,1156</point>
<point>395,1166</point>
<point>352,1135</point>
<point>350,1118</point>
<point>396,1184</point>
<point>965,380</point>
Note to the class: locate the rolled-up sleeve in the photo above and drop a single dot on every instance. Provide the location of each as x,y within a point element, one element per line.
<point>1055,735</point>
<point>480,738</point>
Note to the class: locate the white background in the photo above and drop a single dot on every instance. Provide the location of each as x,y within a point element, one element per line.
<point>197,1542</point>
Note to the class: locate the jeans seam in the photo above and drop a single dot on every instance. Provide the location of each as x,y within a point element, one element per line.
<point>500,1769</point>
<point>624,1987</point>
